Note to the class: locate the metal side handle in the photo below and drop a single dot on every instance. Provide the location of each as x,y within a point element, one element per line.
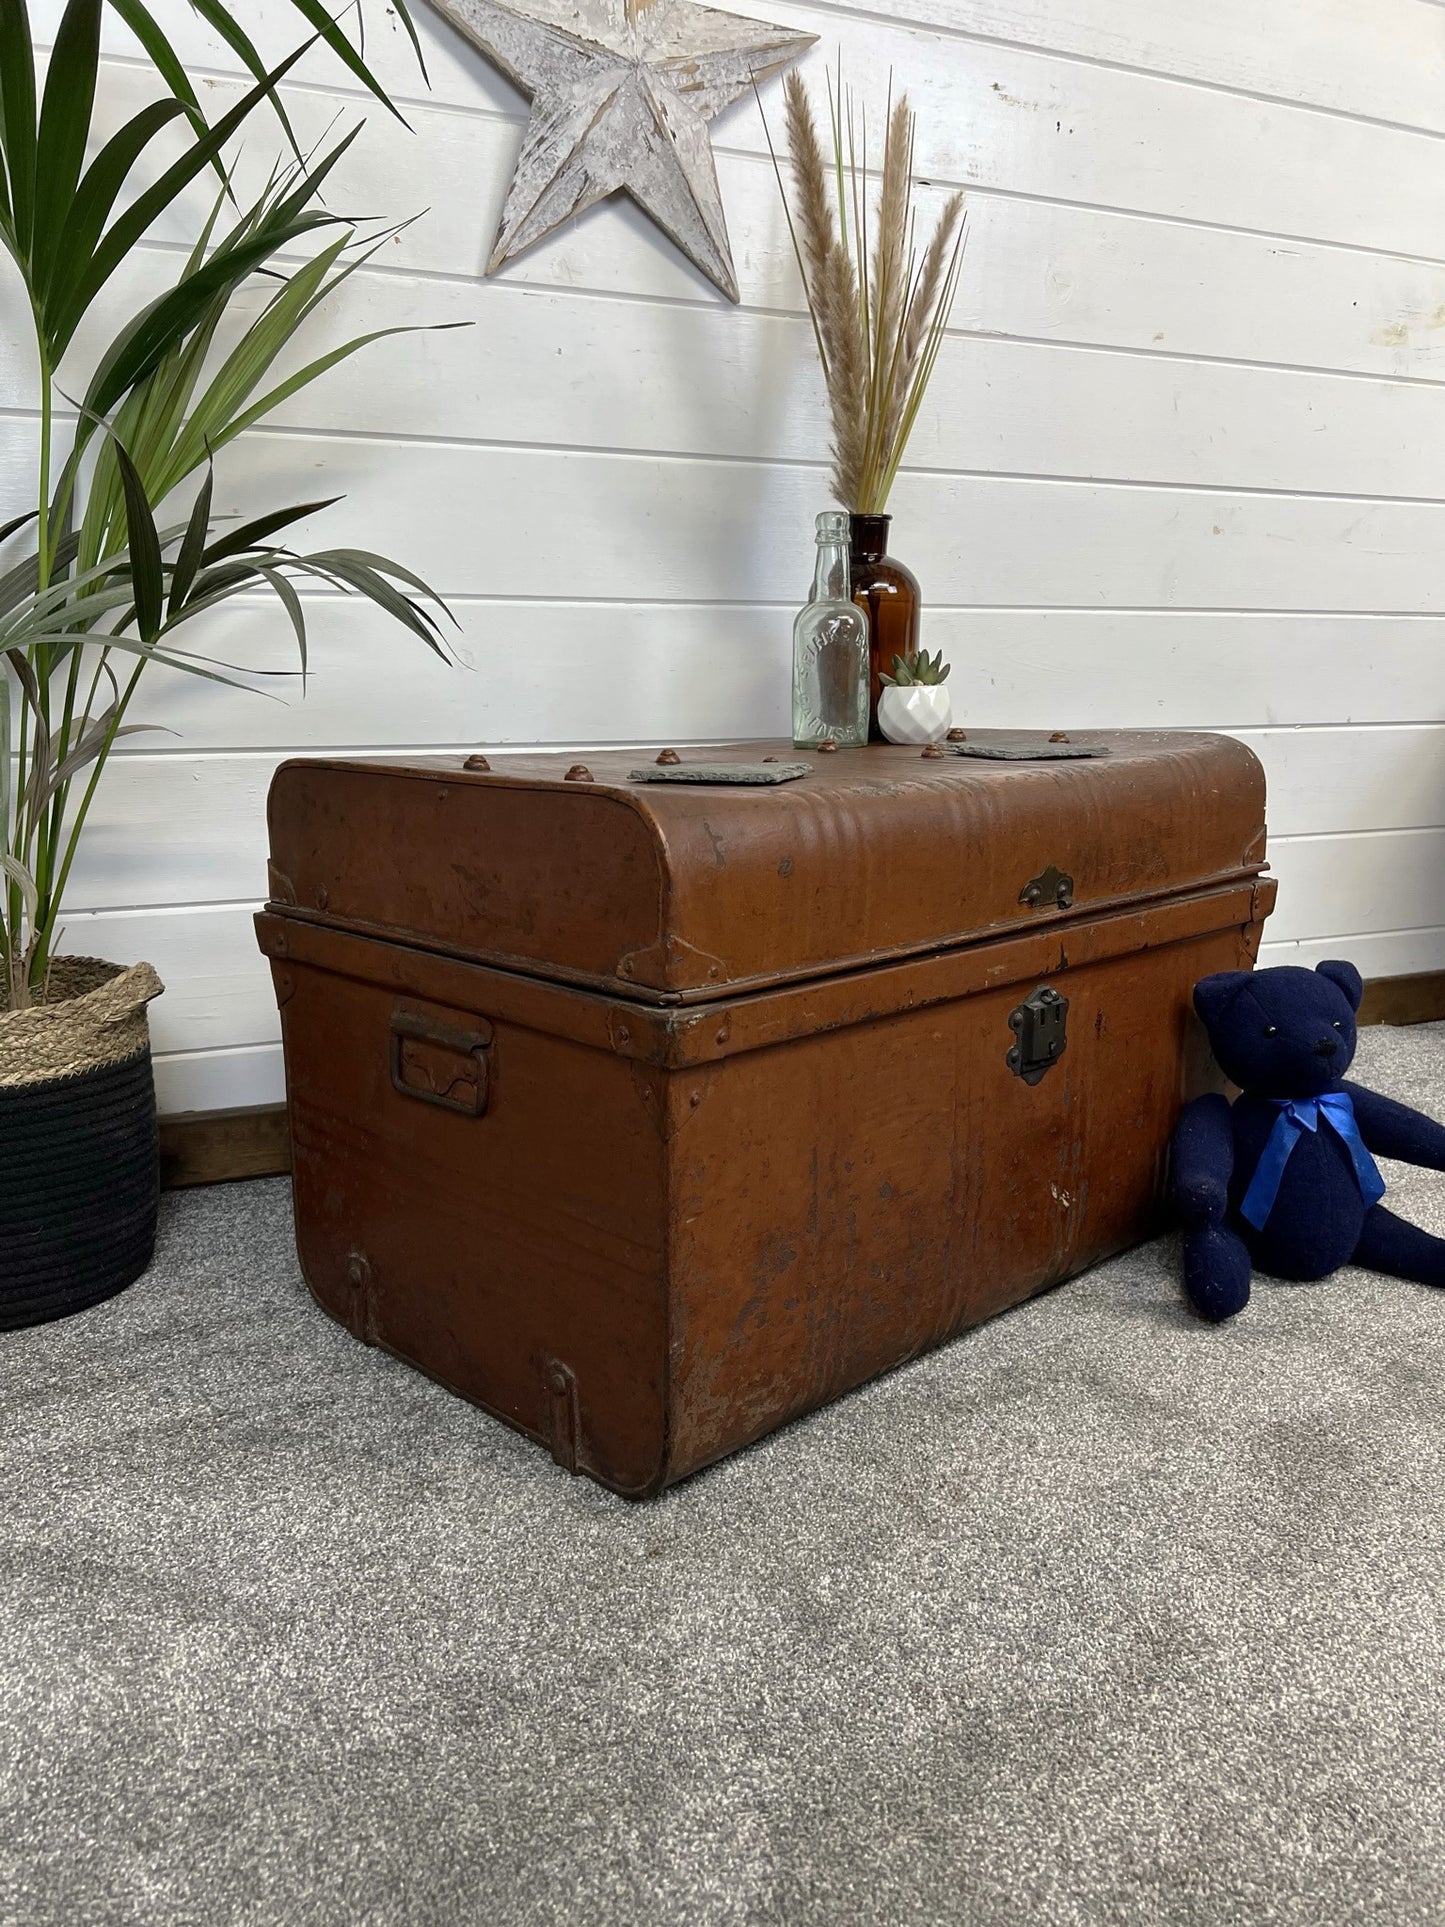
<point>440,1063</point>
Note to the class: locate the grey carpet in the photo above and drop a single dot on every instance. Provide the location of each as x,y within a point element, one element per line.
<point>1097,1616</point>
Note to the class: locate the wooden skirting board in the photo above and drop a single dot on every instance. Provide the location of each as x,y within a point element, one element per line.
<point>1405,1000</point>
<point>211,1147</point>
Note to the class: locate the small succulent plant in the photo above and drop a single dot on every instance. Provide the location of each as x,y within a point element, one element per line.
<point>920,668</point>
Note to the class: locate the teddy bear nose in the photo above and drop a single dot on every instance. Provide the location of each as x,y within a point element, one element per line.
<point>1327,1046</point>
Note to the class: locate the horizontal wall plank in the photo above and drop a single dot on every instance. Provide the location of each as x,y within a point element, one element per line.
<point>1024,122</point>
<point>1029,122</point>
<point>218,985</point>
<point>1017,122</point>
<point>706,381</point>
<point>171,831</point>
<point>1034,270</point>
<point>1156,668</point>
<point>518,522</point>
<point>517,365</point>
<point>526,672</point>
<point>1323,780</point>
<point>219,1080</point>
<point>1350,886</point>
<point>575,673</point>
<point>1378,955</point>
<point>1382,60</point>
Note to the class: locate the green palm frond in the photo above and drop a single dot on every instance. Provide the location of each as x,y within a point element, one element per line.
<point>107,591</point>
<point>143,24</point>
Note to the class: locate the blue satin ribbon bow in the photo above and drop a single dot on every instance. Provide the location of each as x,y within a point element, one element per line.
<point>1297,1115</point>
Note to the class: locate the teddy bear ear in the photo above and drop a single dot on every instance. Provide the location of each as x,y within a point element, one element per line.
<point>1345,977</point>
<point>1214,995</point>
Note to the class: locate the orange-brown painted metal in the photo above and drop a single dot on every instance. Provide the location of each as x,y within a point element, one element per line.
<point>650,1118</point>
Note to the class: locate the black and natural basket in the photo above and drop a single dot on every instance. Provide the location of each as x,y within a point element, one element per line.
<point>79,1162</point>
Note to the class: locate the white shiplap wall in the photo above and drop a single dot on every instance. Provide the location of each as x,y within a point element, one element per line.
<point>1184,462</point>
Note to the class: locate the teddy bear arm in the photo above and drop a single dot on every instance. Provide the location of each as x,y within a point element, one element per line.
<point>1203,1161</point>
<point>1393,1130</point>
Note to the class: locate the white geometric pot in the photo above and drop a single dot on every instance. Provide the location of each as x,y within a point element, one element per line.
<point>914,712</point>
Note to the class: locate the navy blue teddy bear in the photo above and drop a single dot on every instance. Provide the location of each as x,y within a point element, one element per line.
<point>1283,1178</point>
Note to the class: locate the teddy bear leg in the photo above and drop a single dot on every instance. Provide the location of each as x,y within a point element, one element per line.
<point>1402,1250</point>
<point>1216,1272</point>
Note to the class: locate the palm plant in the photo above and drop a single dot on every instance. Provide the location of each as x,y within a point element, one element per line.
<point>114,576</point>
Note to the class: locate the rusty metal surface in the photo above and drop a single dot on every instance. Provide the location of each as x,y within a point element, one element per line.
<point>647,1232</point>
<point>686,893</point>
<point>757,775</point>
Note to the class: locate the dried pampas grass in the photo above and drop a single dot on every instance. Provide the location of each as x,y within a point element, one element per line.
<point>878,314</point>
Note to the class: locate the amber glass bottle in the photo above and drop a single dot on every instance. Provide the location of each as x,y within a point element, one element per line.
<point>888,595</point>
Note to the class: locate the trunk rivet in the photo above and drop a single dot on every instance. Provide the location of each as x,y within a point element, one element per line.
<point>668,756</point>
<point>934,749</point>
<point>476,763</point>
<point>579,773</point>
<point>827,747</point>
<point>956,735</point>
<point>1059,736</point>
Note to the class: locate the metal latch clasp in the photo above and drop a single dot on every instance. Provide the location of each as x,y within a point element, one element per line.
<point>1038,1025</point>
<point>440,1063</point>
<point>1052,887</point>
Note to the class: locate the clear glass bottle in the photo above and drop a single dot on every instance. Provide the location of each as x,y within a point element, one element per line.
<point>830,651</point>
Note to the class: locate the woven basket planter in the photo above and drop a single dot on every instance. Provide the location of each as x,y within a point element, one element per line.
<point>79,1162</point>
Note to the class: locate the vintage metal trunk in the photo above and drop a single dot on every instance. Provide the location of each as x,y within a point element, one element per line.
<point>652,1117</point>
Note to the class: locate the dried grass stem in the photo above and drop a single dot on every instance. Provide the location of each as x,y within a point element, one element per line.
<point>878,314</point>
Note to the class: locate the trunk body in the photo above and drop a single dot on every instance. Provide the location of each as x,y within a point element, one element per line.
<point>650,1118</point>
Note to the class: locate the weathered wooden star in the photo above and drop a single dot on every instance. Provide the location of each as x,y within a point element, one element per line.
<point>622,91</point>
